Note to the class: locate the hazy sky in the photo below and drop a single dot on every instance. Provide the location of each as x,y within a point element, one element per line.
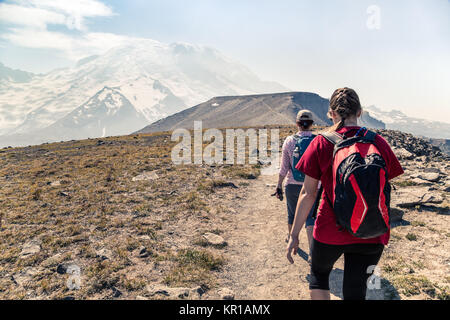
<point>395,53</point>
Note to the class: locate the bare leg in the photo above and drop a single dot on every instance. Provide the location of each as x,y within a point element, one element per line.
<point>317,294</point>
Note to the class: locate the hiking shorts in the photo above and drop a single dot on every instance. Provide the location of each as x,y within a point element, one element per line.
<point>360,260</point>
<point>292,192</point>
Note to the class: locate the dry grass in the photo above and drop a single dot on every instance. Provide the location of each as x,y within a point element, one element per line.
<point>78,198</point>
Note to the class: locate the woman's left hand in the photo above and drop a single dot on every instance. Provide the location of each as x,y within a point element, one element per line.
<point>292,247</point>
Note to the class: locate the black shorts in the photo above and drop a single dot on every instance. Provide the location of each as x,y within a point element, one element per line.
<point>292,192</point>
<point>358,258</point>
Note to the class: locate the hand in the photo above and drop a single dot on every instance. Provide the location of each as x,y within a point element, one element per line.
<point>278,193</point>
<point>292,247</point>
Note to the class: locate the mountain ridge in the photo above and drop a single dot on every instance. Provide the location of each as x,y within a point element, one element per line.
<point>252,110</point>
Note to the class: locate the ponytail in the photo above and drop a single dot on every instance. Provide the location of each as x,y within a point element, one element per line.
<point>345,102</point>
<point>337,126</point>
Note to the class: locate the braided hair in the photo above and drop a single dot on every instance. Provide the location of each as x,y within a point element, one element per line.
<point>345,102</point>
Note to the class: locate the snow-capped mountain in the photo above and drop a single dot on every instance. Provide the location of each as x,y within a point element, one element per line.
<point>107,113</point>
<point>157,80</point>
<point>397,120</point>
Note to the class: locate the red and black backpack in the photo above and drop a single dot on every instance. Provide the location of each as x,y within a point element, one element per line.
<point>361,190</point>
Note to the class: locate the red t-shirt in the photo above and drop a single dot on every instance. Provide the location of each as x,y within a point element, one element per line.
<point>316,162</point>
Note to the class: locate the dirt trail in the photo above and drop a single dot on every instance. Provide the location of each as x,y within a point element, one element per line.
<point>257,267</point>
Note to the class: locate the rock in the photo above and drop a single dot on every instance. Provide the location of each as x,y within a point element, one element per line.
<point>264,162</point>
<point>214,239</point>
<point>408,270</point>
<point>23,277</point>
<point>146,176</point>
<point>226,294</point>
<point>55,183</point>
<point>421,159</point>
<point>63,194</point>
<point>52,261</point>
<point>116,292</point>
<point>61,268</point>
<point>104,254</point>
<point>431,169</point>
<point>174,293</point>
<point>30,248</point>
<point>67,267</point>
<point>196,293</point>
<point>403,154</point>
<point>413,196</point>
<point>429,176</point>
<point>143,252</point>
<point>141,298</point>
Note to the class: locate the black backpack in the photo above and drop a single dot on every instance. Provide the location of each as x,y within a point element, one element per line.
<point>361,190</point>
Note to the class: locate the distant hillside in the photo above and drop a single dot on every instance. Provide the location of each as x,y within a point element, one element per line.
<point>397,120</point>
<point>252,110</point>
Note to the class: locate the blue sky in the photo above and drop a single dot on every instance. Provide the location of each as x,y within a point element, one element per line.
<point>400,61</point>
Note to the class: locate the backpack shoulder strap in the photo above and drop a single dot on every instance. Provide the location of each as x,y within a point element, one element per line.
<point>370,136</point>
<point>296,138</point>
<point>332,137</point>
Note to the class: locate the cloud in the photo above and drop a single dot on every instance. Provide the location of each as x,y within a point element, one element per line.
<point>73,47</point>
<point>75,11</point>
<point>29,16</point>
<point>27,24</point>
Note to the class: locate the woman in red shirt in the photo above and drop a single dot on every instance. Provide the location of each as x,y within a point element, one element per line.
<point>331,241</point>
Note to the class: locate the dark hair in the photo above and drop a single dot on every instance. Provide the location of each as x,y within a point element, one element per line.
<point>345,102</point>
<point>305,124</point>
